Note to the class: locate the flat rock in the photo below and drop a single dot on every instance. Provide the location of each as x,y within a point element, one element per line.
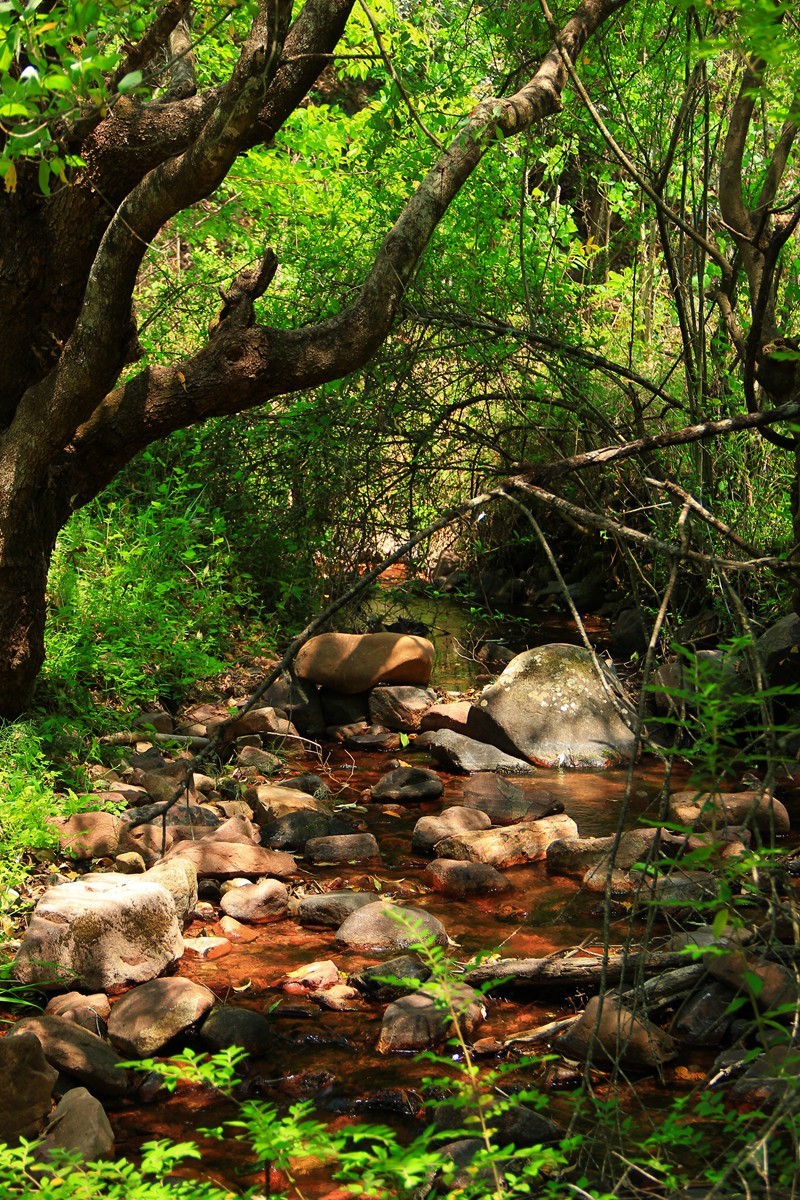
<point>510,846</point>
<point>464,754</point>
<point>383,927</point>
<point>400,707</point>
<point>79,1126</point>
<point>26,1087</point>
<point>406,785</point>
<point>331,908</point>
<point>148,1017</point>
<point>258,903</point>
<point>227,1026</point>
<point>77,1052</point>
<point>100,933</point>
<point>421,1021</point>
<point>430,830</point>
<point>460,879</point>
<point>506,802</point>
<point>607,1033</point>
<point>710,811</point>
<point>549,706</point>
<point>226,860</point>
<point>347,848</point>
<point>355,662</point>
<point>392,978</point>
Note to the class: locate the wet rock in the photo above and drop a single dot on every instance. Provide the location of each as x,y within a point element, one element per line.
<point>702,1019</point>
<point>179,877</point>
<point>207,948</point>
<point>405,785</point>
<point>258,903</point>
<point>348,848</point>
<point>509,846</point>
<point>606,1032</point>
<point>294,829</point>
<point>100,933</point>
<point>350,663</point>
<point>451,821</point>
<point>589,859</point>
<point>460,753</point>
<point>550,707</point>
<point>709,810</point>
<point>406,972</point>
<point>26,1087</point>
<point>384,927</point>
<point>331,908</point>
<point>343,733</point>
<point>315,976</point>
<point>421,1021</point>
<point>460,879</point>
<point>374,737</point>
<point>227,1026</point>
<point>77,1052</point>
<point>148,1017</point>
<point>506,802</point>
<point>236,932</point>
<point>518,1125</point>
<point>226,860</point>
<point>400,707</point>
<point>79,1126</point>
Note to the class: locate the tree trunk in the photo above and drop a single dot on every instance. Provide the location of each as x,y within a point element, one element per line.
<point>26,547</point>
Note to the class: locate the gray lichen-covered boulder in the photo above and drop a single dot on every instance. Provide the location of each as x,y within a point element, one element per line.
<point>383,927</point>
<point>355,662</point>
<point>551,706</point>
<point>100,934</point>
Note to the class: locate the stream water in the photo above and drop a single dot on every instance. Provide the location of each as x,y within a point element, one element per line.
<point>330,1056</point>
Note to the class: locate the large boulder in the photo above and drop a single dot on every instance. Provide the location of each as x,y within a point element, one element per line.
<point>26,1087</point>
<point>382,927</point>
<point>100,934</point>
<point>510,846</point>
<point>148,1017</point>
<point>551,707</point>
<point>331,908</point>
<point>355,662</point>
<point>258,903</point>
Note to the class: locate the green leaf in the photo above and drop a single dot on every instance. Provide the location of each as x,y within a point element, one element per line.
<point>129,81</point>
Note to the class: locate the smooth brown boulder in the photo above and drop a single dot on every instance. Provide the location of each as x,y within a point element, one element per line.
<point>355,662</point>
<point>460,879</point>
<point>421,1020</point>
<point>606,1033</point>
<point>510,846</point>
<point>148,1017</point>
<point>79,1126</point>
<point>26,1087</point>
<point>258,903</point>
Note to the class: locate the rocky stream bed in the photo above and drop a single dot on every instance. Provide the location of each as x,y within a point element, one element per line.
<point>348,795</point>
